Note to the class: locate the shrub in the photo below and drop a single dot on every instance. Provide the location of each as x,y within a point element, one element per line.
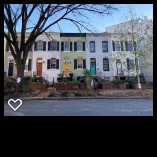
<point>70,94</point>
<point>75,82</point>
<point>56,94</point>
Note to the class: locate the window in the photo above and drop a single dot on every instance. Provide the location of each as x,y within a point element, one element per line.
<point>66,46</point>
<point>53,46</point>
<point>128,46</point>
<point>79,63</point>
<point>26,67</point>
<point>92,46</point>
<point>40,46</point>
<point>116,45</point>
<point>119,68</point>
<point>53,63</point>
<point>130,64</point>
<point>105,46</point>
<point>29,64</point>
<point>79,46</point>
<point>105,64</point>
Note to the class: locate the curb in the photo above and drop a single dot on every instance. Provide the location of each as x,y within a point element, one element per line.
<point>68,98</point>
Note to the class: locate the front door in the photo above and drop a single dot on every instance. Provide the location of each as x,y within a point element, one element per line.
<point>39,69</point>
<point>119,68</point>
<point>10,70</point>
<point>66,68</point>
<point>93,66</point>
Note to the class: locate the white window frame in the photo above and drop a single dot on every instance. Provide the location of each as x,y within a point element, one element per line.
<point>90,46</point>
<point>117,42</point>
<point>39,45</point>
<point>64,46</point>
<point>79,63</point>
<point>79,46</point>
<point>53,64</point>
<point>53,46</point>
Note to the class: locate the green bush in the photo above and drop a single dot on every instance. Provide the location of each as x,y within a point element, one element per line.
<point>35,82</point>
<point>56,94</point>
<point>75,82</point>
<point>71,94</point>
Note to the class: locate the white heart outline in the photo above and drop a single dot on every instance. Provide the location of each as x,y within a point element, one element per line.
<point>15,102</point>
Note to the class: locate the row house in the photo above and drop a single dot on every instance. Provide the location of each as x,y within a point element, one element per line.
<point>99,55</point>
<point>9,62</point>
<point>104,54</point>
<point>46,56</point>
<point>123,58</point>
<point>73,53</point>
<point>143,27</point>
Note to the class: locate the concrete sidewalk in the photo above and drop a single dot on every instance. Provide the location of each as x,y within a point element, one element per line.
<point>67,98</point>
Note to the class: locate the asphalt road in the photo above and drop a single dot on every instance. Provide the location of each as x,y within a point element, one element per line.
<point>82,107</point>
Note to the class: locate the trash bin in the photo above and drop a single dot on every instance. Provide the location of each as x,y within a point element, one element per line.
<point>127,85</point>
<point>95,85</point>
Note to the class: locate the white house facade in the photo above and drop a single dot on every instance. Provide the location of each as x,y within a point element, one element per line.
<point>123,58</point>
<point>98,55</point>
<point>46,56</point>
<point>142,27</point>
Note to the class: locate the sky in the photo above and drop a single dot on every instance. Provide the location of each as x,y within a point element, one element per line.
<point>117,17</point>
<point>99,23</point>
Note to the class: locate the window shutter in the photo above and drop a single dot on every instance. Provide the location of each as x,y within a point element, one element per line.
<point>57,63</point>
<point>134,45</point>
<point>75,63</point>
<point>122,48</point>
<point>128,65</point>
<point>57,45</point>
<point>29,64</point>
<point>49,46</point>
<point>113,44</point>
<point>84,64</point>
<point>62,46</point>
<point>48,64</point>
<point>44,46</point>
<point>35,46</point>
<point>83,46</point>
<point>75,46</point>
<point>126,46</point>
<point>70,46</point>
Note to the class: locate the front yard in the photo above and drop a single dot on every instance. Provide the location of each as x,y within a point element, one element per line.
<point>31,87</point>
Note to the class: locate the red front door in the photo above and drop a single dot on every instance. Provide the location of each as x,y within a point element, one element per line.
<point>39,69</point>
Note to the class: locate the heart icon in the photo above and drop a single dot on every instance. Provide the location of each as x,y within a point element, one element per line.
<point>18,100</point>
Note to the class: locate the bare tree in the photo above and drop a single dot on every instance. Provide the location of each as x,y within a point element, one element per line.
<point>140,34</point>
<point>39,18</point>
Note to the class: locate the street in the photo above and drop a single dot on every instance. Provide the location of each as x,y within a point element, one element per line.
<point>82,107</point>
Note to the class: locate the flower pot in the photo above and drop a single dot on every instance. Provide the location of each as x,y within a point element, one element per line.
<point>134,85</point>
